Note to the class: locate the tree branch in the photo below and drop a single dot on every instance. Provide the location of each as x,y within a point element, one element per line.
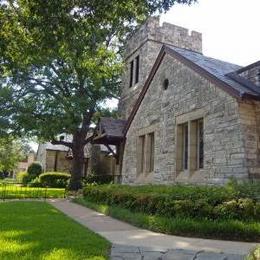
<point>89,139</point>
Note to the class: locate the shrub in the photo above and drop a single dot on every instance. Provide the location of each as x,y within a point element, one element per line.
<point>98,179</point>
<point>176,201</point>
<point>22,177</point>
<point>34,170</point>
<point>35,183</point>
<point>55,179</point>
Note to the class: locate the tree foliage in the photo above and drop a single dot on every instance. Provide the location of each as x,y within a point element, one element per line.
<point>59,61</point>
<point>34,170</point>
<point>11,152</point>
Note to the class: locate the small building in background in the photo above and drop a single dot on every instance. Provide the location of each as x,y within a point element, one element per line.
<point>23,165</point>
<point>58,158</point>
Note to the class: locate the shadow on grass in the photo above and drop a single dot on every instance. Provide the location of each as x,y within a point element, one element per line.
<point>35,230</point>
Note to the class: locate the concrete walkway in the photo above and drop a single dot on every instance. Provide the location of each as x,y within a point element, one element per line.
<point>127,238</point>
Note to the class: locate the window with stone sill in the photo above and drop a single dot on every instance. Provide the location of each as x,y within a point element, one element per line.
<point>145,153</point>
<point>190,145</point>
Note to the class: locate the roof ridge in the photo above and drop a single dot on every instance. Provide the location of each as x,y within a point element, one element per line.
<point>209,57</point>
<point>218,78</point>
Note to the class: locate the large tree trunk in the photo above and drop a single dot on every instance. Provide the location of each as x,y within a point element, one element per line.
<point>77,162</point>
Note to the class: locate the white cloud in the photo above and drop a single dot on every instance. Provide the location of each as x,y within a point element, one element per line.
<point>230,28</point>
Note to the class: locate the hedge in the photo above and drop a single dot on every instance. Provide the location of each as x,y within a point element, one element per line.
<point>22,177</point>
<point>98,179</point>
<point>54,179</point>
<point>216,203</point>
<point>34,170</point>
<point>227,229</point>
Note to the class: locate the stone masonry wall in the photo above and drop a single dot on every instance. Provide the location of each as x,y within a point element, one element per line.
<point>250,124</point>
<point>63,165</point>
<point>252,74</point>
<point>187,94</point>
<point>146,43</point>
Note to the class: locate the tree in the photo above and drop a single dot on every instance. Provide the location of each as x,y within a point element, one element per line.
<point>10,154</point>
<point>59,61</point>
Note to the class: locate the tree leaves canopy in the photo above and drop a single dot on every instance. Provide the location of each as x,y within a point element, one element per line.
<point>59,60</point>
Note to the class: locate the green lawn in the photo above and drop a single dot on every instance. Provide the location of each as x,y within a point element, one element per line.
<point>255,254</point>
<point>15,191</point>
<point>36,230</point>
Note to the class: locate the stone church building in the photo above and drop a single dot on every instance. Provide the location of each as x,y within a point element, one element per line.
<point>185,117</point>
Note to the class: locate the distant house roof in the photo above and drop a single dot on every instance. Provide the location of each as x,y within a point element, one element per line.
<point>55,147</point>
<point>109,131</point>
<point>222,74</point>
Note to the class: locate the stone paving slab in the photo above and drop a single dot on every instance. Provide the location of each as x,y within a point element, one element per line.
<point>129,253</point>
<point>147,244</point>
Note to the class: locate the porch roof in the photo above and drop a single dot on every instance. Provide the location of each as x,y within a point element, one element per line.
<point>109,131</point>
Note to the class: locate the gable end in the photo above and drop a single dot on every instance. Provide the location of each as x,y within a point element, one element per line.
<point>202,72</point>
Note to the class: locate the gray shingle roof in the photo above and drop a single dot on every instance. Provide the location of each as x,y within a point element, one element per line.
<point>50,146</point>
<point>217,68</point>
<point>112,127</point>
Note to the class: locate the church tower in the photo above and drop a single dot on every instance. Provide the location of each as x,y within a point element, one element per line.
<point>141,52</point>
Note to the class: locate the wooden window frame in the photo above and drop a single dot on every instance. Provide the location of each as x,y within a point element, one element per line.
<point>190,145</point>
<point>185,145</point>
<point>145,153</point>
<point>150,153</point>
<point>200,143</point>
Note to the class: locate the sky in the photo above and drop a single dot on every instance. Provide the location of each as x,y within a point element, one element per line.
<point>230,28</point>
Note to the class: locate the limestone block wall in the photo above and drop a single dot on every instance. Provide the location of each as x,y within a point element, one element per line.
<point>252,74</point>
<point>41,156</point>
<point>146,43</point>
<point>188,93</point>
<point>62,164</point>
<point>250,125</point>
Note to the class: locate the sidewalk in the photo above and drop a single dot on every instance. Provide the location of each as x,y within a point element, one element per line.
<point>125,237</point>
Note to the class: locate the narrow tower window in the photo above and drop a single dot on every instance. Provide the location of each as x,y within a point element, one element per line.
<point>137,61</point>
<point>131,73</point>
<point>165,84</point>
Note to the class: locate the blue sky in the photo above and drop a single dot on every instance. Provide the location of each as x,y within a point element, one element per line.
<point>230,28</point>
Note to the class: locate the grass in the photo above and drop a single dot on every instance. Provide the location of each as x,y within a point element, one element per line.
<point>15,191</point>
<point>36,230</point>
<point>255,254</point>
<point>221,229</point>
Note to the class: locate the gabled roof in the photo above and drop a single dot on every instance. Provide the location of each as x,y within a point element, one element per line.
<point>109,131</point>
<point>216,71</point>
<point>112,127</point>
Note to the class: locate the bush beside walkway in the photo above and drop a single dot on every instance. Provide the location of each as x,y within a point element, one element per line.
<point>228,212</point>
